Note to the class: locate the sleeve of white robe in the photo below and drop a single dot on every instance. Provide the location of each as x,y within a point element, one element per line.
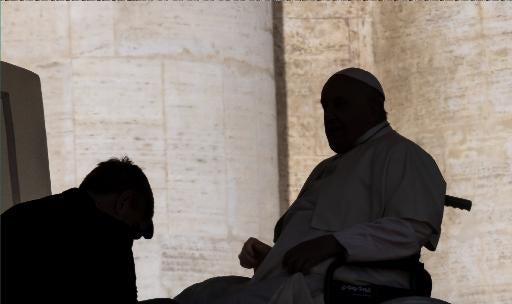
<point>384,239</point>
<point>413,190</point>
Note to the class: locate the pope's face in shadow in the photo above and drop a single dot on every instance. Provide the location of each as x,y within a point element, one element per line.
<point>347,113</point>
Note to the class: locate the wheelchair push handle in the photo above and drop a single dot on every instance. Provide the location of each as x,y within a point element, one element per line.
<point>457,202</point>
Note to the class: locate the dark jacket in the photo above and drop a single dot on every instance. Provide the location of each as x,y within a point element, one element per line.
<point>62,249</point>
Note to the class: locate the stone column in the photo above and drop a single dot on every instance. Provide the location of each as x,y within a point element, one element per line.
<point>187,91</point>
<point>317,40</point>
<point>447,71</point>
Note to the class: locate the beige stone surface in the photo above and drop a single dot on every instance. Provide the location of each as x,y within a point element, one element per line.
<point>318,41</point>
<point>450,93</point>
<point>447,73</point>
<point>91,29</point>
<point>60,124</point>
<point>44,38</point>
<point>187,91</point>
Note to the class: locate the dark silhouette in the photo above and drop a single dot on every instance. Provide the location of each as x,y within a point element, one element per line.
<point>76,247</point>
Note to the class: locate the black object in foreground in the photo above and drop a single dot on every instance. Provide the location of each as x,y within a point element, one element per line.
<point>457,202</point>
<point>159,301</point>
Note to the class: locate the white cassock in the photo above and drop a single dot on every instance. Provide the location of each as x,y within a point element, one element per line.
<point>382,200</point>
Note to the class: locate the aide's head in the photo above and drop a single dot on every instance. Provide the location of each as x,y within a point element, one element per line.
<point>122,190</point>
<point>353,102</point>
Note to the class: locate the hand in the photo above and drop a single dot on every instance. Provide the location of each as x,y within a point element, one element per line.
<point>308,254</point>
<point>253,252</point>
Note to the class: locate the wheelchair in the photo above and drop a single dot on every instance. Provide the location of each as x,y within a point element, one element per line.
<point>337,292</point>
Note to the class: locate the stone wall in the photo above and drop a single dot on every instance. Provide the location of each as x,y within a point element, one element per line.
<point>130,79</point>
<point>187,91</point>
<point>318,38</point>
<point>447,73</point>
<point>447,69</point>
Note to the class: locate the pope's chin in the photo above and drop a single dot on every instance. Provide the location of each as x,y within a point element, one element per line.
<point>337,145</point>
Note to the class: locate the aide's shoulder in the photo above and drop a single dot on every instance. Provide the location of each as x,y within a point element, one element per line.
<point>48,207</point>
<point>36,213</point>
<point>28,206</point>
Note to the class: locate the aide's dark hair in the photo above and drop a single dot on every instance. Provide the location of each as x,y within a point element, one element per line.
<point>117,175</point>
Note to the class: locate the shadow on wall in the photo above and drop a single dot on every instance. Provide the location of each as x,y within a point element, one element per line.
<point>282,115</point>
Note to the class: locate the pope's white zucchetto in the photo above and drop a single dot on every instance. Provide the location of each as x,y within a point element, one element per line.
<point>363,76</point>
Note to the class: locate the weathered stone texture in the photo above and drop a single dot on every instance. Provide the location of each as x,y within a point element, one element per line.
<point>448,77</point>
<point>447,73</point>
<point>187,91</point>
<point>319,39</point>
<point>44,38</point>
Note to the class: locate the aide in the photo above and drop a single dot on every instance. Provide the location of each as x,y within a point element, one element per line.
<point>76,246</point>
